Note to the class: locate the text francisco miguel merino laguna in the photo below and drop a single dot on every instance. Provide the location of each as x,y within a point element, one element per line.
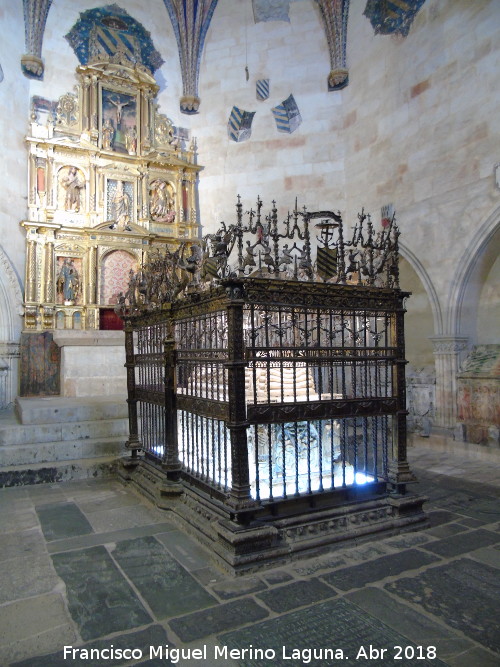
<point>166,652</point>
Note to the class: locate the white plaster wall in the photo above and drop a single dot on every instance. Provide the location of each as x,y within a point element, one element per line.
<point>13,125</point>
<point>418,319</point>
<point>13,202</point>
<point>309,163</point>
<point>488,317</point>
<point>422,129</point>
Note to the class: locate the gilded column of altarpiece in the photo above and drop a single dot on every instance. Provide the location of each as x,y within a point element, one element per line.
<point>109,177</point>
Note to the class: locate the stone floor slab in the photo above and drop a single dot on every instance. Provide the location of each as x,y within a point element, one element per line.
<point>233,588</point>
<point>209,575</point>
<point>18,519</point>
<point>120,498</point>
<point>486,510</point>
<point>488,555</point>
<point>297,594</point>
<point>475,611</point>
<point>462,543</point>
<point>447,530</point>
<point>474,657</point>
<point>100,599</point>
<point>26,576</point>
<point>154,635</point>
<point>333,625</point>
<point>313,565</point>
<point>276,577</point>
<point>379,568</point>
<point>365,552</point>
<point>417,627</point>
<point>14,495</point>
<point>217,619</point>
<point>110,537</point>
<point>62,520</point>
<point>88,490</point>
<point>408,540</point>
<point>122,518</point>
<point>15,499</point>
<point>21,544</point>
<point>42,494</point>
<point>167,587</point>
<point>36,625</point>
<point>471,523</point>
<point>439,517</point>
<point>183,547</point>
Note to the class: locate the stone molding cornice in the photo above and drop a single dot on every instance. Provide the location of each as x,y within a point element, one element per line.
<point>449,344</point>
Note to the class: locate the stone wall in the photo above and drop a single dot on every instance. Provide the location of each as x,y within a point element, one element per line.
<point>309,162</point>
<point>416,135</point>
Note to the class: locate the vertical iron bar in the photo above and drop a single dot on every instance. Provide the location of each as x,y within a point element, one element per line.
<point>308,431</point>
<point>257,470</point>
<point>320,454</point>
<point>270,459</point>
<point>296,440</point>
<point>332,454</point>
<point>343,362</point>
<point>283,460</point>
<point>239,496</point>
<point>133,443</point>
<point>343,448</point>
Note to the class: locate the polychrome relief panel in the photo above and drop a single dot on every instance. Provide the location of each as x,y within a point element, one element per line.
<point>162,201</point>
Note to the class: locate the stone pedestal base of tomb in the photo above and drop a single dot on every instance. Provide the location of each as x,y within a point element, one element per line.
<point>270,540</point>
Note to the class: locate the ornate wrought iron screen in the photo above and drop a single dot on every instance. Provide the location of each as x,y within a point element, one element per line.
<point>264,388</point>
<point>308,369</point>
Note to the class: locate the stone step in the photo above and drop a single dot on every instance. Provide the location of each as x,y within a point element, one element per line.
<point>60,471</point>
<point>62,450</point>
<point>14,433</point>
<point>57,409</point>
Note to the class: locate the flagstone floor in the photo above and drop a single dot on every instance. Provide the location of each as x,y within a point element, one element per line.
<point>92,574</point>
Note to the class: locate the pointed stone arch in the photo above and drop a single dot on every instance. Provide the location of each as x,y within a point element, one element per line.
<point>421,272</point>
<point>479,256</point>
<point>11,311</point>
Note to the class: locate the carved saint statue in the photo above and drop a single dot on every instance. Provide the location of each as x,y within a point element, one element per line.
<point>131,140</point>
<point>68,281</point>
<point>121,208</point>
<point>73,185</point>
<point>107,134</point>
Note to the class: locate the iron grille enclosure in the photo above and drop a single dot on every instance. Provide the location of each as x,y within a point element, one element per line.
<point>270,408</point>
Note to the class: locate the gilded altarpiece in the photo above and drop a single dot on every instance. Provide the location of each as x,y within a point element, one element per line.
<point>109,177</point>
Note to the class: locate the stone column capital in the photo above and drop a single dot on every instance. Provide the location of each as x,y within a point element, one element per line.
<point>449,344</point>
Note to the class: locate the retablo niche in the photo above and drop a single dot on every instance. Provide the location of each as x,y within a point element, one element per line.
<point>266,384</point>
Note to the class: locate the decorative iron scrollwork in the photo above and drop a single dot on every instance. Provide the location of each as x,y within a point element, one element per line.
<point>258,246</point>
